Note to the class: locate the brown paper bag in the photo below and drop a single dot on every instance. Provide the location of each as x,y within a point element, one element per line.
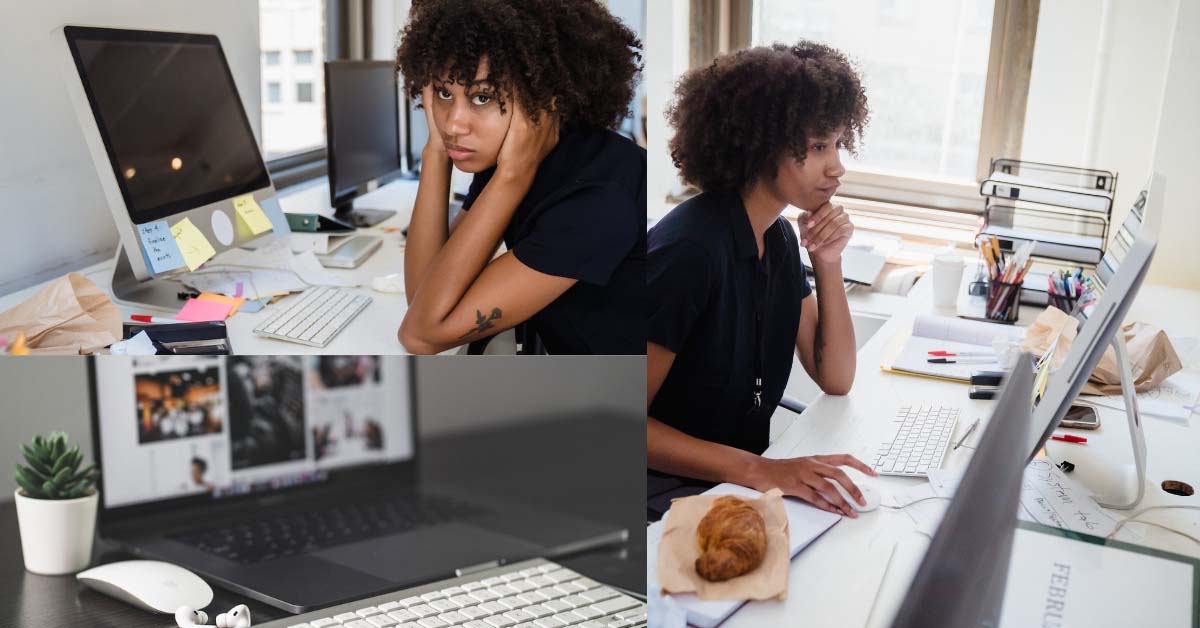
<point>1152,359</point>
<point>68,316</point>
<point>678,551</point>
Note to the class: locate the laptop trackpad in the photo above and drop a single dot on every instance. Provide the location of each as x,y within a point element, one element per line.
<point>427,553</point>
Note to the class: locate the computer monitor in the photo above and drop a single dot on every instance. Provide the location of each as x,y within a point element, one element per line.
<point>960,583</point>
<point>416,135</point>
<point>170,141</point>
<point>362,126</point>
<point>1118,277</point>
<point>174,431</point>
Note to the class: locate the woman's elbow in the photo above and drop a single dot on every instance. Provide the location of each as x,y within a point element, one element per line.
<point>415,342</point>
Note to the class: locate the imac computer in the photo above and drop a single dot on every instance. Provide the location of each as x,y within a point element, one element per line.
<point>171,142</point>
<point>962,578</point>
<point>1118,276</point>
<point>416,134</point>
<point>362,124</point>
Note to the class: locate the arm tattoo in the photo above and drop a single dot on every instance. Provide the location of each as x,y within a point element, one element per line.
<point>482,323</point>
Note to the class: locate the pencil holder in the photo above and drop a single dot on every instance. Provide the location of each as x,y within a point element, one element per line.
<point>1004,301</point>
<point>1064,303</point>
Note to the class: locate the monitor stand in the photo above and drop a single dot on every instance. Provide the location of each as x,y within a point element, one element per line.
<point>361,217</point>
<point>156,294</point>
<point>1127,483</point>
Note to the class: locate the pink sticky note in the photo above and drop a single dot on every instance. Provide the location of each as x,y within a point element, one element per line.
<point>196,310</point>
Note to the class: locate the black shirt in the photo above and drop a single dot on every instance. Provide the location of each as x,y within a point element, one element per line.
<point>707,287</point>
<point>584,217</point>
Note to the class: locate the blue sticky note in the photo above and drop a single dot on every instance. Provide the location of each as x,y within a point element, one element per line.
<point>159,246</point>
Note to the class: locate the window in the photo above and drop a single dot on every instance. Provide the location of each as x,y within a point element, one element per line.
<point>304,92</point>
<point>291,127</point>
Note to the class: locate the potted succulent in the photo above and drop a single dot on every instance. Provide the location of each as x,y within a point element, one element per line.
<point>56,506</point>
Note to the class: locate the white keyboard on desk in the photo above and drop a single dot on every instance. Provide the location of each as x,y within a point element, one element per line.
<point>315,318</point>
<point>918,444</point>
<point>534,594</point>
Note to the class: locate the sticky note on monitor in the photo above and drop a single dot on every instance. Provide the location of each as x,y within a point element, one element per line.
<point>159,246</point>
<point>195,247</point>
<point>198,311</point>
<point>251,214</point>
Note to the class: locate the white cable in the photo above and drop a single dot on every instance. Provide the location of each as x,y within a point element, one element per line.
<point>915,501</point>
<point>1121,523</point>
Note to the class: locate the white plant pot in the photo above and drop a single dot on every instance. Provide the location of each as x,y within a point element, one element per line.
<point>56,534</point>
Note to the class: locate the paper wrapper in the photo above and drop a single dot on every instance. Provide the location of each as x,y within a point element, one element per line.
<point>678,551</point>
<point>1152,359</point>
<point>68,316</point>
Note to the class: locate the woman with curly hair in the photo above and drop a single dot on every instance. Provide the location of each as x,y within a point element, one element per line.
<point>757,130</point>
<point>524,94</point>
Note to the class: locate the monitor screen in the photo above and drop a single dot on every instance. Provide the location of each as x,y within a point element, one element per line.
<point>168,111</point>
<point>176,426</point>
<point>363,123</point>
<point>417,135</point>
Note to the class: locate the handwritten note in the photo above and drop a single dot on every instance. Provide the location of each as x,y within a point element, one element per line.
<point>195,247</point>
<point>159,246</point>
<point>252,214</point>
<point>1053,498</point>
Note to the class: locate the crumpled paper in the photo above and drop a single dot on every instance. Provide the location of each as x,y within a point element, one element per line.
<point>1152,359</point>
<point>68,316</point>
<point>678,551</point>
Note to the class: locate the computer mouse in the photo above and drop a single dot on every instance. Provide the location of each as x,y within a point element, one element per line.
<point>388,283</point>
<point>870,495</point>
<point>150,585</point>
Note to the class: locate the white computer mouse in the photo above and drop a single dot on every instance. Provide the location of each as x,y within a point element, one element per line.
<point>388,283</point>
<point>870,495</point>
<point>151,585</point>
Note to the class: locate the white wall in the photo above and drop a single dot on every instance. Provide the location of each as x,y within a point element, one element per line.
<point>666,48</point>
<point>1113,86</point>
<point>49,191</point>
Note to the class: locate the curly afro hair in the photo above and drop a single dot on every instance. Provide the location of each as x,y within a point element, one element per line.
<point>571,56</point>
<point>737,118</point>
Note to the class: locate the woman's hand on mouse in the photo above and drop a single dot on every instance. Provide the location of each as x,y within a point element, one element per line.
<point>805,478</point>
<point>526,144</point>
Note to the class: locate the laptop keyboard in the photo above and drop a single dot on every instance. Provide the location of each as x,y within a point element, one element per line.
<point>544,595</point>
<point>277,535</point>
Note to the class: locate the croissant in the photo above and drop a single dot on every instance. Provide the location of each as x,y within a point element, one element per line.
<point>732,538</point>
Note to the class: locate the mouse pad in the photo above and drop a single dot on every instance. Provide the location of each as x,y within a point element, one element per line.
<point>428,553</point>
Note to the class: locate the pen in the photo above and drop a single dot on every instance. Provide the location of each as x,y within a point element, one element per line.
<point>942,353</point>
<point>1069,438</point>
<point>145,318</point>
<point>964,436</point>
<point>980,360</point>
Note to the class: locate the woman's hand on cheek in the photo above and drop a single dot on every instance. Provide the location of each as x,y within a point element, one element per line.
<point>526,144</point>
<point>826,232</point>
<point>434,147</point>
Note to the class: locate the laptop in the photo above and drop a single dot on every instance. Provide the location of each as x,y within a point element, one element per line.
<point>292,480</point>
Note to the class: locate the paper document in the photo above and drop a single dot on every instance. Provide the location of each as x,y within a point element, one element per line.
<point>954,335</point>
<point>1173,399</point>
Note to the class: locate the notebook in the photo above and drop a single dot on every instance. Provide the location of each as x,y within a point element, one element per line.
<point>805,524</point>
<point>955,335</point>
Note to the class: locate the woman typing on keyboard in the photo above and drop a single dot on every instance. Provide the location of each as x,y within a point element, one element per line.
<point>757,130</point>
<point>523,94</point>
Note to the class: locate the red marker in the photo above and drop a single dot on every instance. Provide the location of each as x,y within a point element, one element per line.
<point>143,318</point>
<point>1069,438</point>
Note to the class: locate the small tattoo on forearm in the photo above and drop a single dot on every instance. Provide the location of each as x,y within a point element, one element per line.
<point>483,323</point>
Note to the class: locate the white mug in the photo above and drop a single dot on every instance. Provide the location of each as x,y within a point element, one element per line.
<point>947,280</point>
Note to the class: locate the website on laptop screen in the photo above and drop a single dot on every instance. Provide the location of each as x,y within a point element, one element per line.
<point>183,426</point>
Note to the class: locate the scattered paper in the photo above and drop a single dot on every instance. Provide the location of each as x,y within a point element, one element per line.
<point>309,268</point>
<point>257,305</point>
<point>159,246</point>
<point>197,311</point>
<point>256,283</point>
<point>194,246</point>
<point>251,214</point>
<point>1172,399</point>
<point>140,344</point>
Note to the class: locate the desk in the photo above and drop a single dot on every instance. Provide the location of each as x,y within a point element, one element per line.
<point>373,331</point>
<point>595,464</point>
<point>839,579</point>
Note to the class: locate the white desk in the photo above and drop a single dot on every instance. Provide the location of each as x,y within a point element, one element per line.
<point>837,580</point>
<point>373,331</point>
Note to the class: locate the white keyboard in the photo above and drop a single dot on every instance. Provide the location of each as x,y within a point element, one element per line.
<point>315,318</point>
<point>922,433</point>
<point>531,594</point>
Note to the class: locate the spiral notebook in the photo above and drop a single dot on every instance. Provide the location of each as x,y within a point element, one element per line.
<point>910,353</point>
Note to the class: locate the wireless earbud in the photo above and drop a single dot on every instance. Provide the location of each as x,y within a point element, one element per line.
<point>186,617</point>
<point>237,617</point>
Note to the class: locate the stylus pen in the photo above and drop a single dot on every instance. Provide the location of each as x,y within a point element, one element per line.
<point>1069,438</point>
<point>144,318</point>
<point>964,436</point>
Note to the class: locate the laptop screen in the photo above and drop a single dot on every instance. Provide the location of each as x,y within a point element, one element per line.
<point>179,426</point>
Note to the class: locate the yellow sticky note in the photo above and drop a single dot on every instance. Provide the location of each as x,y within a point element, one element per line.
<point>251,214</point>
<point>194,246</point>
<point>233,302</point>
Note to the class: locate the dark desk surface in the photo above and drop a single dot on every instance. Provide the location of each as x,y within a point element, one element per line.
<point>598,472</point>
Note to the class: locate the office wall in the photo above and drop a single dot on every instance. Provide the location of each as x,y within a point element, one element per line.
<point>40,395</point>
<point>666,59</point>
<point>1111,87</point>
<point>49,191</point>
